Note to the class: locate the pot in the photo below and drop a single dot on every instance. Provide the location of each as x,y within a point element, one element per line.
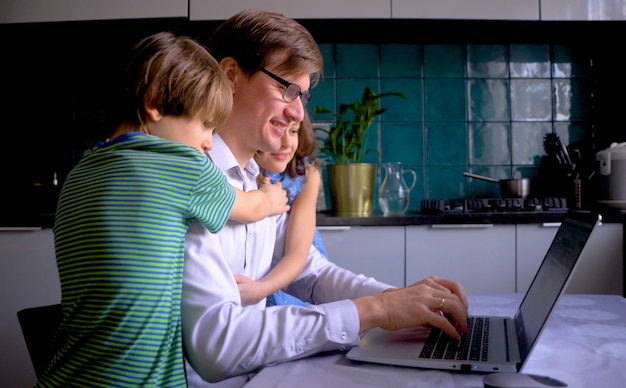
<point>509,188</point>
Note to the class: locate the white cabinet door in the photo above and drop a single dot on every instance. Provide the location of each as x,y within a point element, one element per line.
<point>376,251</point>
<point>601,265</point>
<point>465,9</point>
<point>296,9</point>
<point>27,11</point>
<point>481,257</point>
<point>28,278</point>
<point>583,10</point>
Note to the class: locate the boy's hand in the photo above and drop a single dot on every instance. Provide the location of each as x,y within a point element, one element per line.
<point>276,194</point>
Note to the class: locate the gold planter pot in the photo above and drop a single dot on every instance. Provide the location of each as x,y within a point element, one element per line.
<point>352,189</point>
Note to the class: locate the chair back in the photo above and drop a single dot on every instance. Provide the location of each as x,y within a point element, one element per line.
<point>39,326</point>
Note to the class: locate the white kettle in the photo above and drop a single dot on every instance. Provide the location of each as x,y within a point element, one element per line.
<point>613,174</point>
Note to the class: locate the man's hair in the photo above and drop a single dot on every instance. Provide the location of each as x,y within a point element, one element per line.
<point>176,76</point>
<point>256,38</point>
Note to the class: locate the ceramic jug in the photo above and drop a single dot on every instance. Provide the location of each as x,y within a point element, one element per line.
<point>394,193</point>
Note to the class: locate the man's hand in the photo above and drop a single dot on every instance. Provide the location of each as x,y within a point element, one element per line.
<point>433,301</point>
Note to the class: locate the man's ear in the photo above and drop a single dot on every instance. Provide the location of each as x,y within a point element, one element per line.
<point>231,69</point>
<point>153,114</point>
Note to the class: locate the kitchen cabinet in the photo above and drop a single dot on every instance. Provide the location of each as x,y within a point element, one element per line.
<point>465,9</point>
<point>28,278</point>
<point>583,9</point>
<point>600,268</point>
<point>481,257</point>
<point>27,11</point>
<point>296,9</point>
<point>376,251</point>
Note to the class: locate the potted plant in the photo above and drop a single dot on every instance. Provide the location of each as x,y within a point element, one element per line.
<point>344,146</point>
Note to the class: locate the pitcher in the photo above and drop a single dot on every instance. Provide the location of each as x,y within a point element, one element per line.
<point>394,193</point>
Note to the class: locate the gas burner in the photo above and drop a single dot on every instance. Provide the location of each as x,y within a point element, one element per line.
<point>493,205</point>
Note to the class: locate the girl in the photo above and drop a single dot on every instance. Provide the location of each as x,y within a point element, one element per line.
<point>295,167</point>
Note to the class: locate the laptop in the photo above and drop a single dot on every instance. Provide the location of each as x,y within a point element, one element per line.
<point>510,340</point>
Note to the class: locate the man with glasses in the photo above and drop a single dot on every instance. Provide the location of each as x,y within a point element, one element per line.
<point>272,62</point>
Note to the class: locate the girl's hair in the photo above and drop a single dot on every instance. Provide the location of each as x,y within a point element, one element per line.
<point>176,76</point>
<point>306,149</point>
<point>256,38</point>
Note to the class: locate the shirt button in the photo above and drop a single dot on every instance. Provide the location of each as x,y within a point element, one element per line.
<point>344,335</point>
<point>299,349</point>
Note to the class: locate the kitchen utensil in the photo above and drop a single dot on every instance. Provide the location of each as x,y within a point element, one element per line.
<point>509,188</point>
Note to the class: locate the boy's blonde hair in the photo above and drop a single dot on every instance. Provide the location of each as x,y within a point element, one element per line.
<point>176,76</point>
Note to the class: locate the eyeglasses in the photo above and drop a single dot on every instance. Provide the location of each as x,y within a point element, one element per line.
<point>292,91</point>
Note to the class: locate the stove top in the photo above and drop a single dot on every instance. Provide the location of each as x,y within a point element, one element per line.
<point>493,205</point>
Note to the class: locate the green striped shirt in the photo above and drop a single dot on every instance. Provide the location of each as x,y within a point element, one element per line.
<point>119,238</point>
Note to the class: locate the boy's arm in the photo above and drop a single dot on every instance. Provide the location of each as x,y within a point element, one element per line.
<point>252,206</point>
<point>299,236</point>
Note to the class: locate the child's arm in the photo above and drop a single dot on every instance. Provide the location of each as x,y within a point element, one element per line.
<point>298,240</point>
<point>252,206</point>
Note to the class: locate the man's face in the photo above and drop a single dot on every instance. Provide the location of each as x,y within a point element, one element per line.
<point>276,161</point>
<point>260,114</point>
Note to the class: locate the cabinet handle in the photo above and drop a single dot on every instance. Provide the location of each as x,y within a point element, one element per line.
<point>551,224</point>
<point>19,228</point>
<point>334,228</point>
<point>461,226</point>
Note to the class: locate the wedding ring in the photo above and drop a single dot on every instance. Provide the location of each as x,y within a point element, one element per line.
<point>443,301</point>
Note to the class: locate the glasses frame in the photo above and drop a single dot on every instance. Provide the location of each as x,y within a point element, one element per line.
<point>305,97</point>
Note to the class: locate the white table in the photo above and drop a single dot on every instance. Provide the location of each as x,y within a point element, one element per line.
<point>584,345</point>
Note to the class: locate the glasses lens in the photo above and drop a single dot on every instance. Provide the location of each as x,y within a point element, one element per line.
<point>305,97</point>
<point>291,92</point>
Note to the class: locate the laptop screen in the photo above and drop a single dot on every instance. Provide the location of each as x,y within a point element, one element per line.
<point>551,278</point>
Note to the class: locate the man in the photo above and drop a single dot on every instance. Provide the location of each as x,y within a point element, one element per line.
<point>271,62</point>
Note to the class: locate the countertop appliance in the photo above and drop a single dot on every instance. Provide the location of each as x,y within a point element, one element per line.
<point>493,205</point>
<point>613,175</point>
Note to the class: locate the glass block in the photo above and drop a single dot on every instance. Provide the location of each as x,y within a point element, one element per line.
<point>530,61</point>
<point>446,144</point>
<point>531,100</point>
<point>402,142</point>
<point>574,132</point>
<point>357,60</point>
<point>444,60</point>
<point>488,100</point>
<point>351,90</point>
<point>398,109</point>
<point>489,144</point>
<point>527,142</point>
<point>444,99</point>
<point>573,100</point>
<point>487,61</point>
<point>446,182</point>
<point>400,60</point>
<point>570,62</point>
<point>322,95</point>
<point>328,54</point>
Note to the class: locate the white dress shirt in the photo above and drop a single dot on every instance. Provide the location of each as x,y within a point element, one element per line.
<point>222,338</point>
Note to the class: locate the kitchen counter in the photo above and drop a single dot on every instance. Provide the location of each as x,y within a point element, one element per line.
<point>416,218</point>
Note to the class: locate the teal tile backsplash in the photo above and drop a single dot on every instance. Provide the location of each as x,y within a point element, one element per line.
<point>483,108</point>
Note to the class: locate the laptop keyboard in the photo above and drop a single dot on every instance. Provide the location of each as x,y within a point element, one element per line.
<point>472,346</point>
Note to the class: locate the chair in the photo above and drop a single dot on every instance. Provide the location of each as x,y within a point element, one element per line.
<point>39,326</point>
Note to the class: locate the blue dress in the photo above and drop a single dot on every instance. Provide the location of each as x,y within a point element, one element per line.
<point>293,186</point>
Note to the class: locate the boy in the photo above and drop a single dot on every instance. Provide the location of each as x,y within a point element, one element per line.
<point>123,214</point>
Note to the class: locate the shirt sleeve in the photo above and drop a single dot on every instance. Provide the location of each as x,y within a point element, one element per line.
<point>223,339</point>
<point>213,197</point>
